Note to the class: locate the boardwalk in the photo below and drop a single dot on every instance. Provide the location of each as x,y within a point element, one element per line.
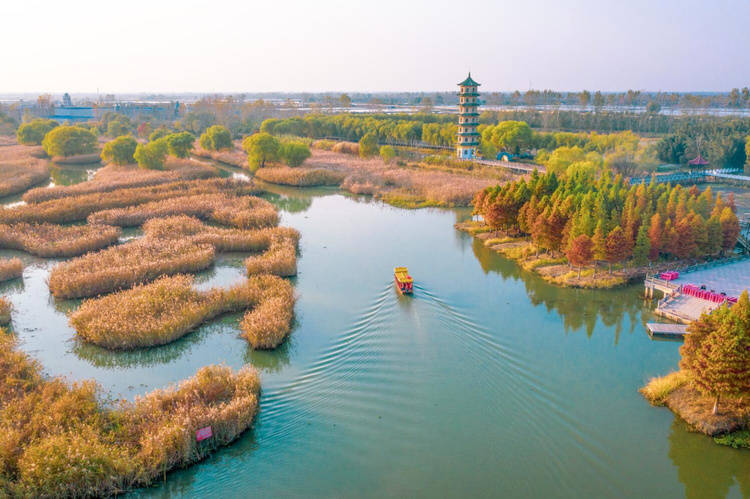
<point>666,330</point>
<point>695,177</point>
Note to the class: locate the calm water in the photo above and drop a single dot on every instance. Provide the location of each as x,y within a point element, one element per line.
<point>487,382</point>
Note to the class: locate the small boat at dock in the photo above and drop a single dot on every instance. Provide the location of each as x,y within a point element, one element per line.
<point>404,282</point>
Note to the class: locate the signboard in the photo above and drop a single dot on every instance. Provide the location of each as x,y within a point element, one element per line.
<point>203,433</point>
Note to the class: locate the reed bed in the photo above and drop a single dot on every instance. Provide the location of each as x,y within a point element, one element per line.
<point>270,321</point>
<point>123,266</point>
<point>280,259</point>
<point>55,241</point>
<point>246,212</point>
<point>62,440</point>
<point>233,157</point>
<point>159,312</point>
<point>10,268</point>
<point>184,227</point>
<point>300,177</point>
<point>18,174</point>
<point>76,208</point>
<point>112,177</point>
<point>5,310</point>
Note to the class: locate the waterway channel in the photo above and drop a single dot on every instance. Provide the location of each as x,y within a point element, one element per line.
<point>487,382</point>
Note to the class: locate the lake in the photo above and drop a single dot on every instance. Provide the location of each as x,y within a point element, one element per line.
<point>486,382</point>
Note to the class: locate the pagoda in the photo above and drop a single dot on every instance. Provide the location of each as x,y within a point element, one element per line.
<point>467,140</point>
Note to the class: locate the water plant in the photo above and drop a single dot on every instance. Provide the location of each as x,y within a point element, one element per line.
<point>10,268</point>
<point>5,309</point>
<point>279,259</point>
<point>49,240</point>
<point>126,265</point>
<point>246,212</point>
<point>270,321</point>
<point>61,440</point>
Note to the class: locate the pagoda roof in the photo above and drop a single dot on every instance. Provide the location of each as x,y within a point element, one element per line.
<point>468,82</point>
<point>698,161</point>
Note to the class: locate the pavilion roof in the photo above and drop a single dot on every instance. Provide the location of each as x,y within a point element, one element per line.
<point>698,161</point>
<point>468,82</point>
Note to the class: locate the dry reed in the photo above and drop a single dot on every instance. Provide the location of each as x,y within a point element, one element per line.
<point>76,208</point>
<point>247,212</point>
<point>10,269</point>
<point>346,148</point>
<point>300,177</point>
<point>270,321</point>
<point>159,312</point>
<point>5,309</point>
<point>184,227</point>
<point>19,170</point>
<point>279,259</point>
<point>48,241</point>
<point>233,157</point>
<point>61,440</point>
<point>124,266</point>
<point>111,178</point>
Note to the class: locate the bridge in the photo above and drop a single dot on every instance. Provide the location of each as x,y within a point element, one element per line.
<point>695,177</point>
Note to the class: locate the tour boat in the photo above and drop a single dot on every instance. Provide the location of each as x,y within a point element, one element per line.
<point>404,282</point>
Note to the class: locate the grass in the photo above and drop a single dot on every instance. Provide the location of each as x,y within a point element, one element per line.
<point>246,212</point>
<point>738,439</point>
<point>270,321</point>
<point>5,309</point>
<point>162,311</point>
<point>126,265</point>
<point>11,268</point>
<point>222,239</point>
<point>48,240</point>
<point>300,176</point>
<point>61,440</point>
<point>19,170</point>
<point>658,388</point>
<point>279,259</point>
<point>112,178</point>
<point>77,208</point>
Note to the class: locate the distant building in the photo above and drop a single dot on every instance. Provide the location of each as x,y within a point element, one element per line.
<point>467,140</point>
<point>66,100</point>
<point>73,114</point>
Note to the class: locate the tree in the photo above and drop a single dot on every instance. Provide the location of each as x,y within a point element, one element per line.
<point>580,252</point>
<point>747,154</point>
<point>118,127</point>
<point>387,153</point>
<point>653,107</point>
<point>730,228</point>
<point>294,153</point>
<point>345,100</point>
<point>368,145</point>
<point>180,144</point>
<point>151,156</point>
<point>33,132</point>
<point>215,138</point>
<point>144,130</point>
<point>120,150</point>
<point>69,141</point>
<point>260,148</point>
<point>718,357</point>
<point>584,97</point>
<point>615,247</point>
<point>642,246</point>
<point>160,132</point>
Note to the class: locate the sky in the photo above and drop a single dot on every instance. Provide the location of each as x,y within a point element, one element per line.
<point>383,45</point>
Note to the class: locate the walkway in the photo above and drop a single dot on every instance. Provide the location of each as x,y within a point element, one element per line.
<point>693,177</point>
<point>731,278</point>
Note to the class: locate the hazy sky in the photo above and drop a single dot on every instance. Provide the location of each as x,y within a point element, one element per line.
<point>380,45</point>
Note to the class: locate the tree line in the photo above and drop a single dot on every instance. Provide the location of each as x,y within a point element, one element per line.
<point>606,219</point>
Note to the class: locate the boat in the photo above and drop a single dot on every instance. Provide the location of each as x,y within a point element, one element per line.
<point>404,282</point>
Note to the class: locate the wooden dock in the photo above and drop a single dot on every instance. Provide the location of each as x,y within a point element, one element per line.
<point>666,330</point>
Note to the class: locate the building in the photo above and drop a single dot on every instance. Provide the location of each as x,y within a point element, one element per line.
<point>467,140</point>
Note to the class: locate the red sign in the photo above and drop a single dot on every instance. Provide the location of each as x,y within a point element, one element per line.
<point>203,434</point>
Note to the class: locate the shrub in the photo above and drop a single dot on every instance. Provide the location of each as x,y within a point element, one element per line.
<point>658,388</point>
<point>215,138</point>
<point>124,266</point>
<point>60,440</point>
<point>301,177</point>
<point>323,144</point>
<point>10,269</point>
<point>180,144</point>
<point>346,148</point>
<point>69,141</point>
<point>5,310</point>
<point>33,132</point>
<point>294,153</point>
<point>152,155</point>
<point>119,126</point>
<point>48,240</point>
<point>261,148</point>
<point>368,145</point>
<point>387,153</point>
<point>270,322</point>
<point>120,150</point>
<point>157,134</point>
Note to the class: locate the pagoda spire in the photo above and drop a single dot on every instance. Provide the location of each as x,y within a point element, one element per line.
<point>467,139</point>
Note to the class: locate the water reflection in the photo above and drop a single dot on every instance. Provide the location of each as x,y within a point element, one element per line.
<point>72,174</point>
